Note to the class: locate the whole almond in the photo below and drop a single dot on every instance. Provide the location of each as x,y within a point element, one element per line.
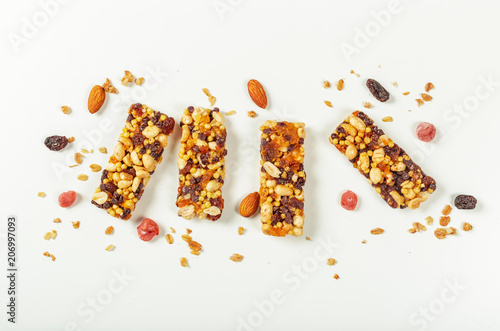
<point>257,93</point>
<point>96,99</point>
<point>249,205</point>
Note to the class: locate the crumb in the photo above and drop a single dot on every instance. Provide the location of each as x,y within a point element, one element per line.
<point>340,85</point>
<point>172,229</point>
<point>252,114</point>
<point>53,234</point>
<point>52,257</point>
<point>241,230</point>
<point>184,262</point>
<point>57,220</point>
<point>417,227</point>
<point>236,257</point>
<point>128,78</point>
<point>103,150</point>
<point>78,158</point>
<point>426,97</point>
<point>211,98</point>
<point>83,177</point>
<point>307,238</point>
<point>367,105</point>
<point>331,261</point>
<point>231,112</point>
<point>46,254</point>
<point>466,227</point>
<point>446,210</point>
<point>41,194</point>
<point>387,119</point>
<point>363,241</point>
<point>95,167</point>
<point>444,220</point>
<point>74,165</point>
<point>66,110</point>
<point>46,236</point>
<point>451,230</point>
<point>139,81</point>
<point>429,86</point>
<point>429,220</point>
<point>109,230</point>
<point>420,102</point>
<point>328,103</point>
<point>395,84</point>
<point>84,151</point>
<point>110,248</point>
<point>336,276</point>
<point>169,238</point>
<point>108,87</point>
<point>377,231</point>
<point>195,247</point>
<point>352,72</point>
<point>76,224</point>
<point>406,93</point>
<point>188,231</point>
<point>187,238</point>
<point>326,84</point>
<point>440,233</point>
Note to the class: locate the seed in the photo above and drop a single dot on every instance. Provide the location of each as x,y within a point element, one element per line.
<point>241,230</point>
<point>110,248</point>
<point>41,194</point>
<point>340,85</point>
<point>169,238</point>
<point>387,119</point>
<point>447,210</point>
<point>103,150</point>
<point>406,93</point>
<point>184,262</point>
<point>377,231</point>
<point>95,167</point>
<point>83,177</point>
<point>109,230</point>
<point>328,103</point>
<point>231,112</point>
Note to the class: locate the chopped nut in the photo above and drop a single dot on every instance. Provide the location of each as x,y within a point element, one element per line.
<point>139,81</point>
<point>420,102</point>
<point>78,158</point>
<point>236,257</point>
<point>377,231</point>
<point>231,112</point>
<point>41,194</point>
<point>429,86</point>
<point>53,234</point>
<point>188,231</point>
<point>184,262</point>
<point>187,238</point>
<point>326,84</point>
<point>109,230</point>
<point>466,227</point>
<point>406,93</point>
<point>169,238</point>
<point>108,87</point>
<point>417,227</point>
<point>444,220</point>
<point>352,72</point>
<point>65,109</point>
<point>103,150</point>
<point>47,236</point>
<point>252,114</point>
<point>395,84</point>
<point>340,85</point>
<point>46,254</point>
<point>110,248</point>
<point>83,177</point>
<point>328,103</point>
<point>429,220</point>
<point>367,105</point>
<point>172,229</point>
<point>440,233</point>
<point>52,257</point>
<point>128,78</point>
<point>241,230</point>
<point>451,230</point>
<point>426,97</point>
<point>57,220</point>
<point>447,210</point>
<point>331,261</point>
<point>387,119</point>
<point>71,139</point>
<point>336,276</point>
<point>76,224</point>
<point>95,167</point>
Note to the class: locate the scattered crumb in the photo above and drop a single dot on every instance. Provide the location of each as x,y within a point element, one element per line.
<point>241,230</point>
<point>74,165</point>
<point>426,97</point>
<point>84,151</point>
<point>184,262</point>
<point>406,93</point>
<point>188,231</point>
<point>95,167</point>
<point>336,276</point>
<point>451,230</point>
<point>83,177</point>
<point>444,220</point>
<point>331,261</point>
<point>187,238</point>
<point>110,248</point>
<point>78,158</point>
<point>326,84</point>
<point>195,247</point>
<point>211,98</point>
<point>379,66</point>
<point>307,238</point>
<point>417,227</point>
<point>440,233</point>
<point>395,84</point>
<point>128,78</point>
<point>109,230</point>
<point>252,114</point>
<point>231,112</point>
<point>169,238</point>
<point>340,85</point>
<point>46,254</point>
<point>57,220</point>
<point>429,220</point>
<point>46,236</point>
<point>108,87</point>
<point>328,103</point>
<point>367,105</point>
<point>76,224</point>
<point>447,210</point>
<point>41,194</point>
<point>466,227</point>
<point>172,229</point>
<point>377,231</point>
<point>236,257</point>
<point>429,86</point>
<point>420,102</point>
<point>352,72</point>
<point>387,119</point>
<point>363,241</point>
<point>53,234</point>
<point>139,81</point>
<point>103,150</point>
<point>66,110</point>
<point>52,257</point>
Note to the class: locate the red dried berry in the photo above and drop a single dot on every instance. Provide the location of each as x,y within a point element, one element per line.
<point>349,200</point>
<point>426,131</point>
<point>147,229</point>
<point>66,199</point>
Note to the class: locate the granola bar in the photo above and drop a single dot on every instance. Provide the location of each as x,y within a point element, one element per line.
<point>134,160</point>
<point>201,164</point>
<point>399,181</point>
<point>281,178</point>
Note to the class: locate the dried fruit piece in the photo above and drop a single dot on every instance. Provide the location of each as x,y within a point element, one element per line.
<point>41,194</point>
<point>331,261</point>
<point>147,229</point>
<point>440,233</point>
<point>236,257</point>
<point>52,257</point>
<point>56,143</point>
<point>169,238</point>
<point>328,103</point>
<point>349,200</point>
<point>447,210</point>
<point>96,99</point>
<point>340,85</point>
<point>426,97</point>
<point>377,90</point>
<point>109,230</point>
<point>463,201</point>
<point>249,204</point>
<point>76,225</point>
<point>377,231</point>
<point>466,227</point>
<point>429,86</point>
<point>65,109</point>
<point>252,114</point>
<point>426,131</point>
<point>326,84</point>
<point>66,199</point>
<point>257,93</point>
<point>336,276</point>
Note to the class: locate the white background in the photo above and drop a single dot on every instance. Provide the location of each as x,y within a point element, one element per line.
<point>291,47</point>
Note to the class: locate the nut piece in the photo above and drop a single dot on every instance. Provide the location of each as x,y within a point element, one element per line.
<point>41,194</point>
<point>139,81</point>
<point>212,211</point>
<point>367,105</point>
<point>103,150</point>
<point>447,210</point>
<point>236,257</point>
<point>429,86</point>
<point>249,204</point>
<point>426,97</point>
<point>257,93</point>
<point>283,190</point>
<point>95,167</point>
<point>326,84</point>
<point>128,78</point>
<point>466,227</point>
<point>271,169</point>
<point>429,220</point>
<point>252,114</point>
<point>109,230</point>
<point>108,87</point>
<point>46,236</point>
<point>76,224</point>
<point>65,109</point>
<point>110,248</point>
<point>351,152</point>
<point>331,261</point>
<point>100,197</point>
<point>96,99</point>
<point>377,231</point>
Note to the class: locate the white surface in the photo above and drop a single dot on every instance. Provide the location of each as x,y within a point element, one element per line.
<point>291,47</point>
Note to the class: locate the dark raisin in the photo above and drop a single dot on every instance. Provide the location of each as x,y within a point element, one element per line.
<point>104,175</point>
<point>142,150</point>
<point>108,187</point>
<point>130,117</point>
<point>106,205</point>
<point>392,152</point>
<point>377,90</point>
<point>340,129</point>
<point>368,121</point>
<point>136,106</point>
<point>216,109</point>
<point>205,158</point>
<point>267,131</point>
<point>130,171</point>
<point>225,152</point>
<point>126,212</point>
<point>190,109</point>
<point>168,126</point>
<point>138,139</point>
<point>95,203</point>
<point>202,136</point>
<point>186,168</point>
<point>56,143</point>
<point>465,202</point>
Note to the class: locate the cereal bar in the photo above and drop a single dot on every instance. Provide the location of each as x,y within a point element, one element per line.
<point>281,178</point>
<point>201,164</point>
<point>399,181</point>
<point>134,160</point>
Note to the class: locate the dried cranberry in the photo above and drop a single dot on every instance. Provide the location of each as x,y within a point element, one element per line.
<point>147,229</point>
<point>66,199</point>
<point>377,90</point>
<point>465,202</point>
<point>56,143</point>
<point>349,200</point>
<point>426,131</point>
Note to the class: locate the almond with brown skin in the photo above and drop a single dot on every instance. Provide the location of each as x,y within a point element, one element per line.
<point>249,205</point>
<point>96,99</point>
<point>257,93</point>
